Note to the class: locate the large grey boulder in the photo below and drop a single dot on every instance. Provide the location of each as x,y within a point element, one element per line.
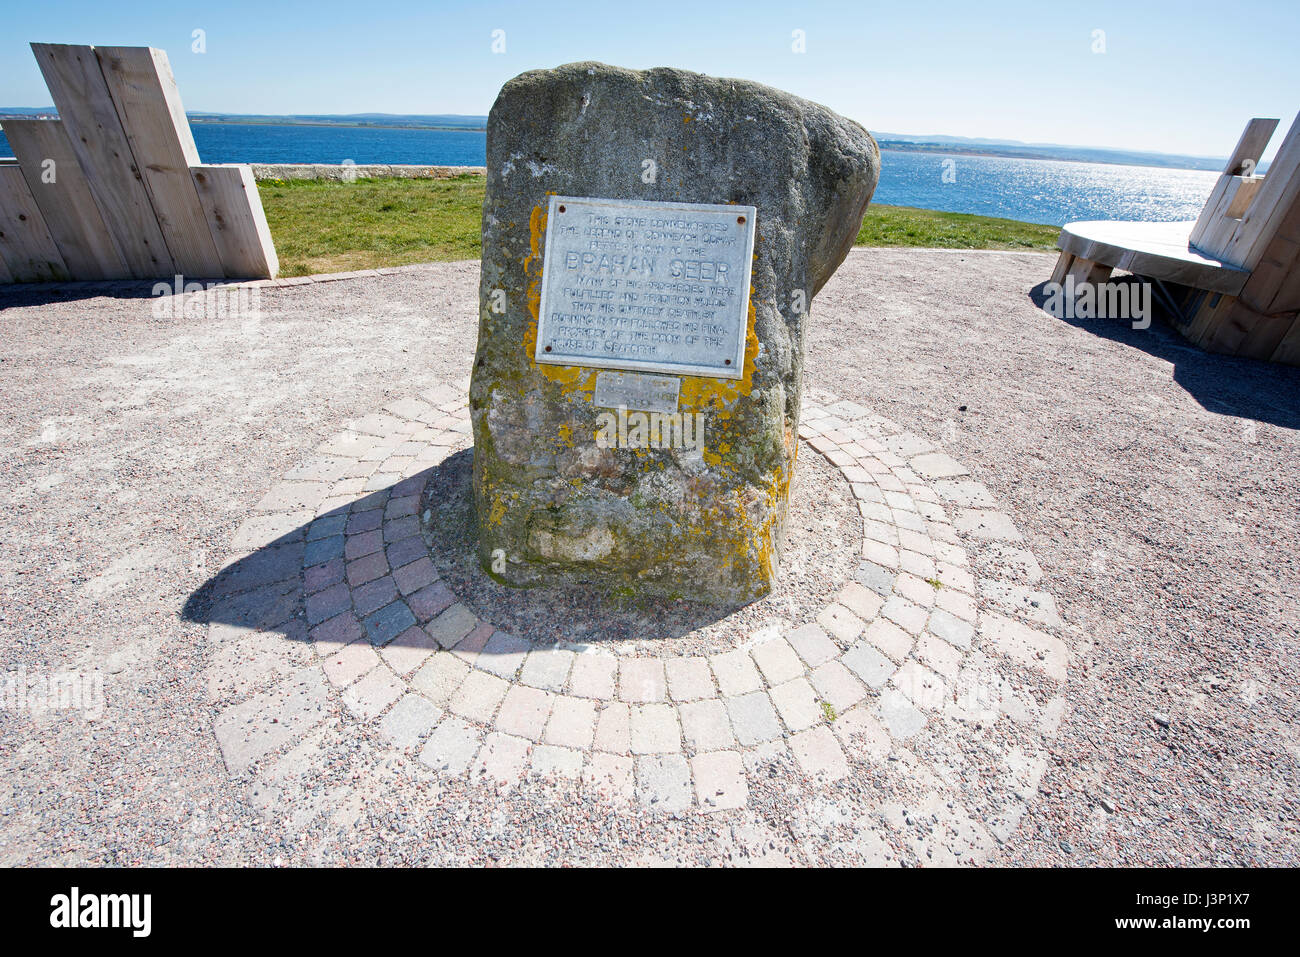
<point>553,504</point>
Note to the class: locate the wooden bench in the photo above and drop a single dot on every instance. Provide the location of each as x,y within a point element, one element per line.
<point>1231,279</point>
<point>114,188</point>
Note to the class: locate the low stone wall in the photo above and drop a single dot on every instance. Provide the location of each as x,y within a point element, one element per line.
<point>344,172</point>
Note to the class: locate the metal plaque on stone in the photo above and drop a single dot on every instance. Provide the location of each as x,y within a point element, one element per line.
<point>658,287</point>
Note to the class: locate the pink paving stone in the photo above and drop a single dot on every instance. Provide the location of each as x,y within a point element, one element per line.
<point>373,595</point>
<point>594,676</point>
<point>328,603</point>
<point>837,686</point>
<point>906,614</point>
<point>347,664</point>
<point>418,574</point>
<point>478,696</point>
<point>862,735</point>
<point>431,601</point>
<point>954,577</point>
<point>777,660</point>
<point>319,577</point>
<point>705,725</point>
<point>939,655</point>
<point>654,729</point>
<point>572,723</point>
<point>401,507</point>
<point>954,602</point>
<point>915,541</point>
<point>914,589</point>
<point>363,544</point>
<point>922,566</point>
<point>503,758</point>
<point>689,678</point>
<point>880,553</point>
<point>819,754</point>
<point>860,600</point>
<point>613,729</point>
<point>922,686</point>
<point>813,645</point>
<point>720,780</point>
<point>841,622</point>
<point>336,632</point>
<point>373,693</point>
<point>612,776</point>
<point>408,650</point>
<point>367,569</point>
<point>641,680</point>
<point>407,550</point>
<point>524,712</point>
<point>889,638</point>
<point>401,528</point>
<point>365,521</point>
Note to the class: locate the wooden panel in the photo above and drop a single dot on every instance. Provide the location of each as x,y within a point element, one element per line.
<point>95,132</point>
<point>144,91</point>
<point>65,202</point>
<point>1288,350</point>
<point>234,209</point>
<point>25,242</point>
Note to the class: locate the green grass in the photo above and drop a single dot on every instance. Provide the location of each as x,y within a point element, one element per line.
<point>322,226</point>
<point>907,226</point>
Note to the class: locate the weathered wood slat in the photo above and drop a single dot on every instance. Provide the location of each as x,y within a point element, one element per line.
<point>238,223</point>
<point>25,242</point>
<point>148,104</point>
<point>63,195</point>
<point>94,130</point>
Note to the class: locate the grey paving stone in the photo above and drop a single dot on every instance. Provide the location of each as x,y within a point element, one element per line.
<point>951,629</point>
<point>389,622</point>
<point>899,715</point>
<point>753,718</point>
<point>876,577</point>
<point>373,693</point>
<point>705,725</point>
<point>813,645</point>
<point>410,720</point>
<point>663,782</point>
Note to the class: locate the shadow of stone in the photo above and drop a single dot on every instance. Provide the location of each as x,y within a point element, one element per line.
<point>346,575</point>
<point>1227,385</point>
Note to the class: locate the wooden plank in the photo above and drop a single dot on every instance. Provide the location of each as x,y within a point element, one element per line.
<point>25,242</point>
<point>1254,138</point>
<point>60,189</point>
<point>148,104</point>
<point>238,223</point>
<point>95,132</point>
<point>1272,203</point>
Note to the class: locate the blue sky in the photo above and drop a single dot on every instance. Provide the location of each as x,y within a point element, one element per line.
<point>1174,77</point>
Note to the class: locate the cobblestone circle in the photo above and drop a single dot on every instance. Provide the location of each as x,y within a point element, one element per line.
<point>931,685</point>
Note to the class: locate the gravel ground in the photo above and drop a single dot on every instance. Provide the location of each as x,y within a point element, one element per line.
<point>1156,486</point>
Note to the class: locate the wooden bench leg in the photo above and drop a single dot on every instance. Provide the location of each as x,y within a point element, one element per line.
<point>1063,263</point>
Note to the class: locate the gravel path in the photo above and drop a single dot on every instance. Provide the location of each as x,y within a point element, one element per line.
<point>1155,485</point>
